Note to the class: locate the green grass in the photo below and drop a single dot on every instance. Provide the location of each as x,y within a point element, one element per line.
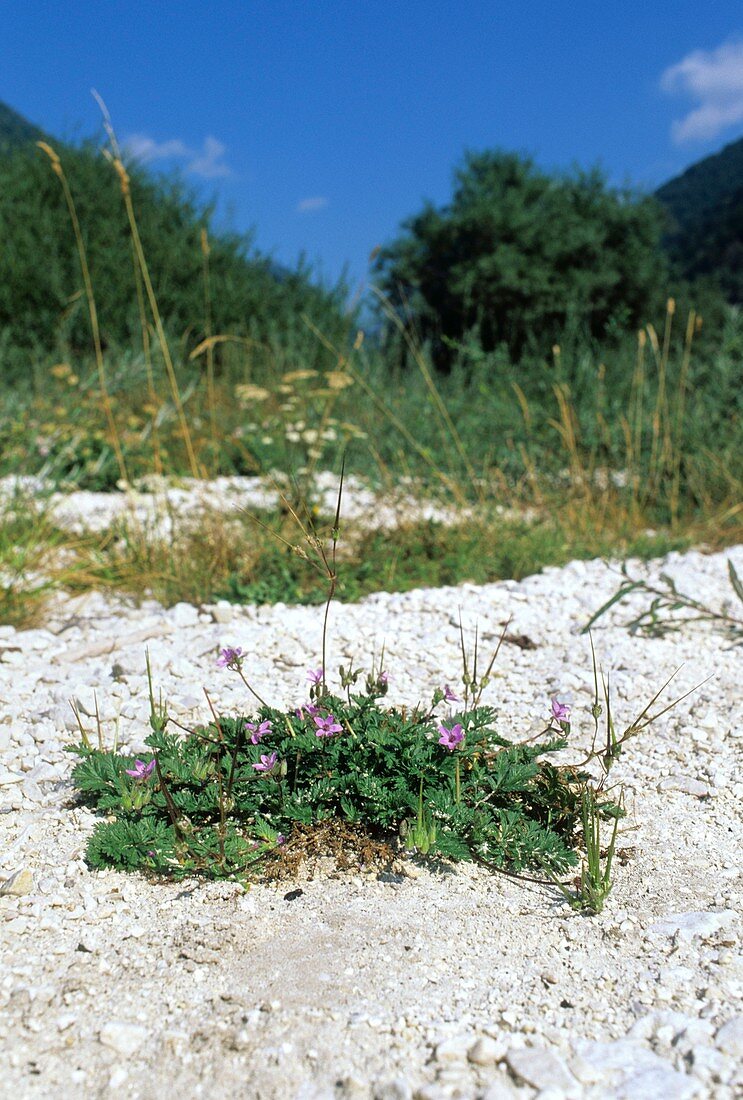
<point>545,437</point>
<point>263,557</point>
<point>238,560</point>
<point>34,559</point>
<point>671,420</point>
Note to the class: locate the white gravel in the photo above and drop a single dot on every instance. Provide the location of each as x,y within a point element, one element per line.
<point>435,983</point>
<point>158,504</point>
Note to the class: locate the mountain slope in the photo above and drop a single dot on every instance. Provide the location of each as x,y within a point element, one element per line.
<point>15,130</point>
<point>42,304</point>
<point>705,208</point>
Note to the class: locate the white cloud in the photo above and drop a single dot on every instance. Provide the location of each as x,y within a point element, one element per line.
<point>714,78</point>
<point>207,162</point>
<point>145,149</point>
<point>315,202</point>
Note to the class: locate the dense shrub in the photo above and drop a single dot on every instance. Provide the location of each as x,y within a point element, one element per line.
<point>518,256</point>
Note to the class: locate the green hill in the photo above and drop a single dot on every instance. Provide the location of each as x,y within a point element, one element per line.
<point>15,130</point>
<point>42,304</point>
<point>705,208</point>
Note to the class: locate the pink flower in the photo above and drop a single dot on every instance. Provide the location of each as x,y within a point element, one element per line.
<point>267,763</point>
<point>326,727</point>
<point>307,708</point>
<point>560,712</point>
<point>141,770</point>
<point>316,676</point>
<point>450,738</point>
<point>259,731</point>
<point>230,658</point>
<point>449,696</point>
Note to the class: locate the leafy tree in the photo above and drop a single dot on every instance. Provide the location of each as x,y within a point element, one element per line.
<point>518,255</point>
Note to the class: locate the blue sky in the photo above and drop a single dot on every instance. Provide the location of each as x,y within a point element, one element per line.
<point>324,124</point>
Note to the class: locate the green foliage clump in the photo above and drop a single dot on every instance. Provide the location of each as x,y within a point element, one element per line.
<point>518,256</point>
<point>218,800</point>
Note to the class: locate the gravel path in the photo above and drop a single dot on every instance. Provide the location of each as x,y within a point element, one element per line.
<point>156,504</point>
<point>432,983</point>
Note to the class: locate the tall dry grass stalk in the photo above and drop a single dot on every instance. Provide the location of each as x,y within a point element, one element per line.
<point>568,429</point>
<point>661,455</point>
<point>208,333</point>
<point>159,328</point>
<point>691,327</point>
<point>439,405</point>
<point>633,431</point>
<point>118,164</point>
<point>450,483</point>
<point>153,399</point>
<point>59,172</point>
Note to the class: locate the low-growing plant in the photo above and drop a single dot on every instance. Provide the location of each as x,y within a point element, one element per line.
<point>247,792</point>
<point>593,885</point>
<point>658,617</point>
<point>232,792</point>
<point>252,788</point>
